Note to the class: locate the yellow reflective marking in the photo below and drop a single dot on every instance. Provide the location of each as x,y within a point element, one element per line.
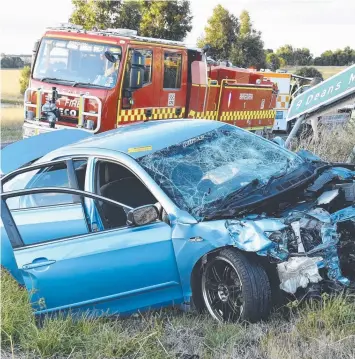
<point>140,149</point>
<point>77,38</point>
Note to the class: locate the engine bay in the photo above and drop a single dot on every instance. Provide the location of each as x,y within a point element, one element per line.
<point>309,235</point>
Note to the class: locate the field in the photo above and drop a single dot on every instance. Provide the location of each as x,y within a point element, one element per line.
<point>10,86</point>
<point>319,331</point>
<point>326,71</point>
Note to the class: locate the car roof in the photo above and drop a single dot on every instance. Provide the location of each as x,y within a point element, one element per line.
<point>142,138</point>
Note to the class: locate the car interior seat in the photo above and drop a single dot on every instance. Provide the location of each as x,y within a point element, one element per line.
<point>119,184</point>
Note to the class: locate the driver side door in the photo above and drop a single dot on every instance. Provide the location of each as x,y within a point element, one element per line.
<point>119,269</point>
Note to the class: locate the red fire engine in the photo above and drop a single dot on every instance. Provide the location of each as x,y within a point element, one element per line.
<point>98,80</point>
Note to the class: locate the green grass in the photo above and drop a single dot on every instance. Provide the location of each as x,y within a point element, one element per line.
<point>11,123</point>
<point>319,330</point>
<point>326,71</point>
<point>10,84</point>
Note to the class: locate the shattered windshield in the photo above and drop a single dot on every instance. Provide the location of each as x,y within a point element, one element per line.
<point>200,172</point>
<point>61,61</point>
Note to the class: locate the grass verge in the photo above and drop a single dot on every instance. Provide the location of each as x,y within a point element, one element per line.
<point>11,123</point>
<point>319,330</point>
<point>334,144</point>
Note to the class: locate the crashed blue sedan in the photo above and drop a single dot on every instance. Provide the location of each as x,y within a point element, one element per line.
<point>191,212</point>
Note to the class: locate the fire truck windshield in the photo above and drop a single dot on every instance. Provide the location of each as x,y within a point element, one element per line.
<point>77,63</point>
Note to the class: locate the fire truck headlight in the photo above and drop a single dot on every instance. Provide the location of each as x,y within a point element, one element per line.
<point>258,81</point>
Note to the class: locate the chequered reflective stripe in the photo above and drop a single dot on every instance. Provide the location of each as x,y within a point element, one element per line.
<point>209,115</point>
<point>282,101</point>
<point>158,113</point>
<point>247,115</point>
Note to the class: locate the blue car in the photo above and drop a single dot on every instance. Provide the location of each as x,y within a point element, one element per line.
<point>179,212</point>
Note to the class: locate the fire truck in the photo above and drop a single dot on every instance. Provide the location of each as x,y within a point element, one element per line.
<point>289,86</point>
<point>101,79</point>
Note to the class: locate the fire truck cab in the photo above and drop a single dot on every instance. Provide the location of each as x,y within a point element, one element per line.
<point>98,80</point>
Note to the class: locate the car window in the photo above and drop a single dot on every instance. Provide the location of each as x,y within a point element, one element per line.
<point>172,70</point>
<point>116,182</point>
<point>148,66</point>
<point>50,176</point>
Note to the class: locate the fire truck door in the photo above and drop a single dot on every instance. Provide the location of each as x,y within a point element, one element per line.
<point>173,82</point>
<point>137,104</point>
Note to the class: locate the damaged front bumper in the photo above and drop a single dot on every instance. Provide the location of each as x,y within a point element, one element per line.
<point>313,239</point>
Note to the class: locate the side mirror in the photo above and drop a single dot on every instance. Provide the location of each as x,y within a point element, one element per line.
<point>136,76</point>
<point>110,57</point>
<point>142,215</point>
<point>278,140</point>
<point>137,59</point>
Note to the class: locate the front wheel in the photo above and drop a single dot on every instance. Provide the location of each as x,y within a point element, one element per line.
<point>235,288</point>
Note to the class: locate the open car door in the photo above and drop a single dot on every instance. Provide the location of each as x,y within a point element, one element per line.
<point>28,150</point>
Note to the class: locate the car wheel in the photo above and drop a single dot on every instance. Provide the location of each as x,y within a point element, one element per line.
<point>235,288</point>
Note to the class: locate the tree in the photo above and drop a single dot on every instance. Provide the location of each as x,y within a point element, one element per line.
<point>249,48</point>
<point>286,52</point>
<point>11,62</point>
<point>309,72</point>
<point>272,61</point>
<point>85,14</point>
<point>302,57</point>
<point>221,33</point>
<point>25,79</point>
<point>166,19</point>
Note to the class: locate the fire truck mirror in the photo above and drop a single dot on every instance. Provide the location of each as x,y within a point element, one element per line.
<point>110,56</point>
<point>136,77</point>
<point>137,59</point>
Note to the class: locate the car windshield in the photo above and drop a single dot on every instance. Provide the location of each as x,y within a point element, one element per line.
<point>203,170</point>
<point>80,62</point>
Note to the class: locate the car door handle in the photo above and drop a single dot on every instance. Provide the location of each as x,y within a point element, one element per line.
<point>43,263</point>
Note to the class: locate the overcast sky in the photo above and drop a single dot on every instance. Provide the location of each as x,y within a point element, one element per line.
<point>316,24</point>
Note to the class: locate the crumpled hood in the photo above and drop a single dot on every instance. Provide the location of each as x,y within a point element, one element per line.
<point>319,224</point>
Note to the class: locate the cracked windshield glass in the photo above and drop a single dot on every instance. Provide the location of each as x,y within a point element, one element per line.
<point>76,62</point>
<point>199,173</point>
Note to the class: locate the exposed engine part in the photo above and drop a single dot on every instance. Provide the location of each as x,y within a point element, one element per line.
<point>322,180</point>
<point>299,272</point>
<point>327,197</point>
<point>348,190</point>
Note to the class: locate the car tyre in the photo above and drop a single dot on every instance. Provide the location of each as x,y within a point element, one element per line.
<point>235,288</point>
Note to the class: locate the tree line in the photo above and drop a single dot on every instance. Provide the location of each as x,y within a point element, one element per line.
<point>231,38</point>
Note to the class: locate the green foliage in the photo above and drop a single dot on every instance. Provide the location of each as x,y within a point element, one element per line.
<point>11,62</point>
<point>16,311</point>
<point>295,56</point>
<point>25,79</point>
<point>170,20</point>
<point>345,57</point>
<point>221,33</point>
<point>249,48</point>
<point>272,61</point>
<point>309,72</point>
<point>233,39</point>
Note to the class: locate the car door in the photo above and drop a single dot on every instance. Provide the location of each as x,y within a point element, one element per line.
<point>116,270</point>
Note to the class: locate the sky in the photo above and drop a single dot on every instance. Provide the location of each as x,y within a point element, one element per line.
<point>317,24</point>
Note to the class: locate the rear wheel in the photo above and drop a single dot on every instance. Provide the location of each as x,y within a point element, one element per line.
<point>235,288</point>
